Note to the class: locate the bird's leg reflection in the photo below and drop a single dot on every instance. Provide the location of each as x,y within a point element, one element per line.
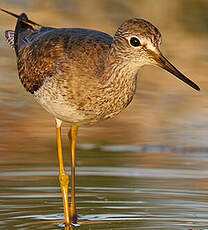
<point>72,138</point>
<point>69,227</point>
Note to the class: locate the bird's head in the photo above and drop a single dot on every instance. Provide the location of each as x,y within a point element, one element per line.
<point>138,42</point>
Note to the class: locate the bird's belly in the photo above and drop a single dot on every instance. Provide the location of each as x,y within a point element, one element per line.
<point>53,98</point>
<point>70,113</point>
<point>59,109</point>
<point>57,98</point>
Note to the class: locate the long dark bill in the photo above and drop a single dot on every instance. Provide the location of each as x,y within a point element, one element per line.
<point>165,64</point>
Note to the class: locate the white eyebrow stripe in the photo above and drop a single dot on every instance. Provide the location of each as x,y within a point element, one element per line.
<point>148,44</point>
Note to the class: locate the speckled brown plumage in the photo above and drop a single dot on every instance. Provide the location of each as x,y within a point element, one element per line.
<point>82,76</point>
<point>61,50</point>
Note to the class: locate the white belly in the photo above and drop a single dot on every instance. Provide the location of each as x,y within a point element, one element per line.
<point>51,98</point>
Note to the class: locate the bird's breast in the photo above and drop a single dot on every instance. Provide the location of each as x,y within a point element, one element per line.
<point>80,104</point>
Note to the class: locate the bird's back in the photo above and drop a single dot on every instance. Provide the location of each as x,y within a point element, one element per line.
<point>64,51</point>
<point>43,52</point>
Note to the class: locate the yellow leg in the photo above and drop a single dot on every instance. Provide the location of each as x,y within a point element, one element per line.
<point>63,177</point>
<point>69,227</point>
<point>73,137</point>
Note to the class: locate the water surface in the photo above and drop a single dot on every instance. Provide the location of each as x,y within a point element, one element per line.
<point>124,190</point>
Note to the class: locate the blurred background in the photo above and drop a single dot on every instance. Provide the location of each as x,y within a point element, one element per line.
<point>164,111</point>
<point>166,115</point>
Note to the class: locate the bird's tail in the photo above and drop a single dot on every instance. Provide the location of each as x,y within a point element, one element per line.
<point>24,27</point>
<point>22,19</point>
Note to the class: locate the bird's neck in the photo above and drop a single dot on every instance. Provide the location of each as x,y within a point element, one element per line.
<point>117,84</point>
<point>116,69</point>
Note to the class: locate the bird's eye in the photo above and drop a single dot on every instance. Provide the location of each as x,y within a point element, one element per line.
<point>135,42</point>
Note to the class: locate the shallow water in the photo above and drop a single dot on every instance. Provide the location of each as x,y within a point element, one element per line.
<point>146,168</point>
<point>123,190</point>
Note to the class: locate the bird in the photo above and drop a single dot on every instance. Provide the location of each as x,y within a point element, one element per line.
<point>82,76</point>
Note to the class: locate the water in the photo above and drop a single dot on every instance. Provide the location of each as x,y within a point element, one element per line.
<point>124,190</point>
<point>146,168</point>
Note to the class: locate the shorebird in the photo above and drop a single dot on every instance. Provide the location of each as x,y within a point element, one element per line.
<point>82,76</point>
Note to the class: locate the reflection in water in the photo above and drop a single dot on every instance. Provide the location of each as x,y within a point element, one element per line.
<point>145,169</point>
<point>70,228</point>
<point>160,190</point>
